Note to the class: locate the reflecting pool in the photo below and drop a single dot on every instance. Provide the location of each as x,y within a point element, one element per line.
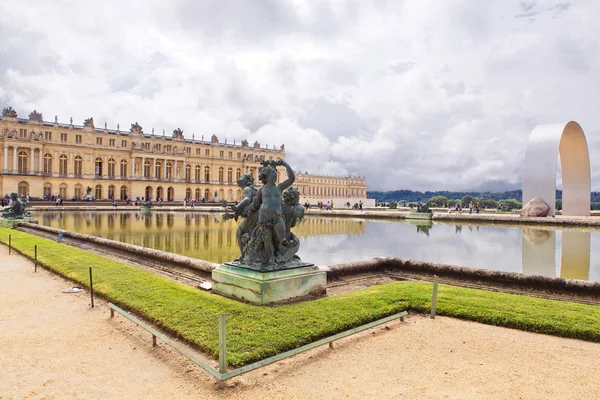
<point>568,253</point>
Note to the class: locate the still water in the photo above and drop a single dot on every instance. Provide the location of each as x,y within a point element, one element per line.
<point>567,253</point>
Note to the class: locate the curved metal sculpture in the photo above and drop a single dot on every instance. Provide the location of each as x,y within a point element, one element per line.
<point>539,172</point>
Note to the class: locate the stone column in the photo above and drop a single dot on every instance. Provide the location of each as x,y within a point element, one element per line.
<point>32,161</point>
<point>14,170</point>
<point>153,168</point>
<point>41,162</point>
<point>132,166</point>
<point>143,169</point>
<point>55,163</point>
<point>5,158</point>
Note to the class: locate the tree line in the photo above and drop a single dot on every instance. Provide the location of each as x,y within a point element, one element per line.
<point>506,200</point>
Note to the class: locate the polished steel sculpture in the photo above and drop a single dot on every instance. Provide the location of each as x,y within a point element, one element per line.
<point>545,144</point>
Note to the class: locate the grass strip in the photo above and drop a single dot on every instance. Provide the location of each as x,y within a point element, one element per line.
<point>254,332</point>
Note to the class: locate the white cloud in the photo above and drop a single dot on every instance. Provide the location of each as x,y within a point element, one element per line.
<point>420,95</point>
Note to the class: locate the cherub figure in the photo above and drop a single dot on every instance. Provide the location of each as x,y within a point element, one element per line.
<point>269,235</point>
<point>292,211</point>
<point>246,211</point>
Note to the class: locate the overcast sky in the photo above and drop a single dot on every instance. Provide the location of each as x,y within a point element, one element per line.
<point>422,95</point>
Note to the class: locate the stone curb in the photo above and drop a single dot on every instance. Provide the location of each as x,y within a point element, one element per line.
<point>391,263</point>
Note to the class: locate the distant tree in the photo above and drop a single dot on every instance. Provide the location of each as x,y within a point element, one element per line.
<point>393,204</point>
<point>489,203</point>
<point>468,199</point>
<point>511,204</point>
<point>438,201</point>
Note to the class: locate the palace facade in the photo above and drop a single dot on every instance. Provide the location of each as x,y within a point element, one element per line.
<point>42,158</point>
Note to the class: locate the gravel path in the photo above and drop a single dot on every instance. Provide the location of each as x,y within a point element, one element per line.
<point>55,347</point>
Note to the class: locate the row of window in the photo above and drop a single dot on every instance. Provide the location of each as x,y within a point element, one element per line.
<point>149,193</point>
<point>188,172</point>
<point>145,146</point>
<point>99,164</point>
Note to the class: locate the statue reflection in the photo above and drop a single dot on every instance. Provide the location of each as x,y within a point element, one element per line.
<point>539,253</point>
<point>423,226</point>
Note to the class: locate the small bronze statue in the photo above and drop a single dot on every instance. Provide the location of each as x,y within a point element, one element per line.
<point>16,210</point>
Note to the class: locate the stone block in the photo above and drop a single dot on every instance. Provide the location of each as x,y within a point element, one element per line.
<point>264,288</point>
<point>13,223</point>
<point>416,215</point>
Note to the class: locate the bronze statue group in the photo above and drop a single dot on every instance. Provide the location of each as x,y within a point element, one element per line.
<point>264,235</point>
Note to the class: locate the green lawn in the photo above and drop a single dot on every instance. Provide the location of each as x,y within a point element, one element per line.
<point>254,333</point>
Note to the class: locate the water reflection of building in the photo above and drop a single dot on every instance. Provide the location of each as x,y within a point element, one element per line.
<point>204,236</point>
<point>312,226</point>
<point>538,252</point>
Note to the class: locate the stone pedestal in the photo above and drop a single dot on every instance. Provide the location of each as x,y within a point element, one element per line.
<point>416,215</point>
<point>269,287</point>
<point>12,223</point>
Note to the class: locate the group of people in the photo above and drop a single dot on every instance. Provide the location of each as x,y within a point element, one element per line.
<point>459,209</point>
<point>192,201</point>
<point>7,201</point>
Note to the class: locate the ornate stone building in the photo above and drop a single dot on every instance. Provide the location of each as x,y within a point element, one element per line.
<point>339,190</point>
<point>41,158</point>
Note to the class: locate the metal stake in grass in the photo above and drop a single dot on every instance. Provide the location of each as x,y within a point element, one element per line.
<point>91,288</point>
<point>35,258</point>
<point>434,296</point>
<point>9,244</point>
<point>222,344</point>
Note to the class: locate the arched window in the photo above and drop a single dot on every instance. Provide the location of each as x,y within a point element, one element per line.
<point>170,194</point>
<point>197,173</point>
<point>221,173</point>
<point>238,195</point>
<point>47,189</point>
<point>78,165</point>
<point>47,163</point>
<point>62,164</point>
<point>23,188</point>
<point>188,173</point>
<point>22,166</point>
<point>123,192</point>
<point>112,166</point>
<point>98,192</point>
<point>62,190</point>
<point>197,193</point>
<point>160,193</point>
<point>221,195</point>
<point>78,192</point>
<point>147,169</point>
<point>206,195</point>
<point>230,175</point>
<point>207,174</point>
<point>188,193</point>
<point>124,168</point>
<point>230,195</point>
<point>98,170</point>
<point>111,192</point>
<point>169,171</point>
<point>238,174</point>
<point>148,193</point>
<point>158,169</point>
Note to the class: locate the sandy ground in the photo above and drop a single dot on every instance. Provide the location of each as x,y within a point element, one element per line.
<point>54,346</point>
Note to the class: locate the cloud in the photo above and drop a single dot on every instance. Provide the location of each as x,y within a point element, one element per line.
<point>416,95</point>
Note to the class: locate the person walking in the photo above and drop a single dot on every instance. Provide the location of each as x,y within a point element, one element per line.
<point>471,207</point>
